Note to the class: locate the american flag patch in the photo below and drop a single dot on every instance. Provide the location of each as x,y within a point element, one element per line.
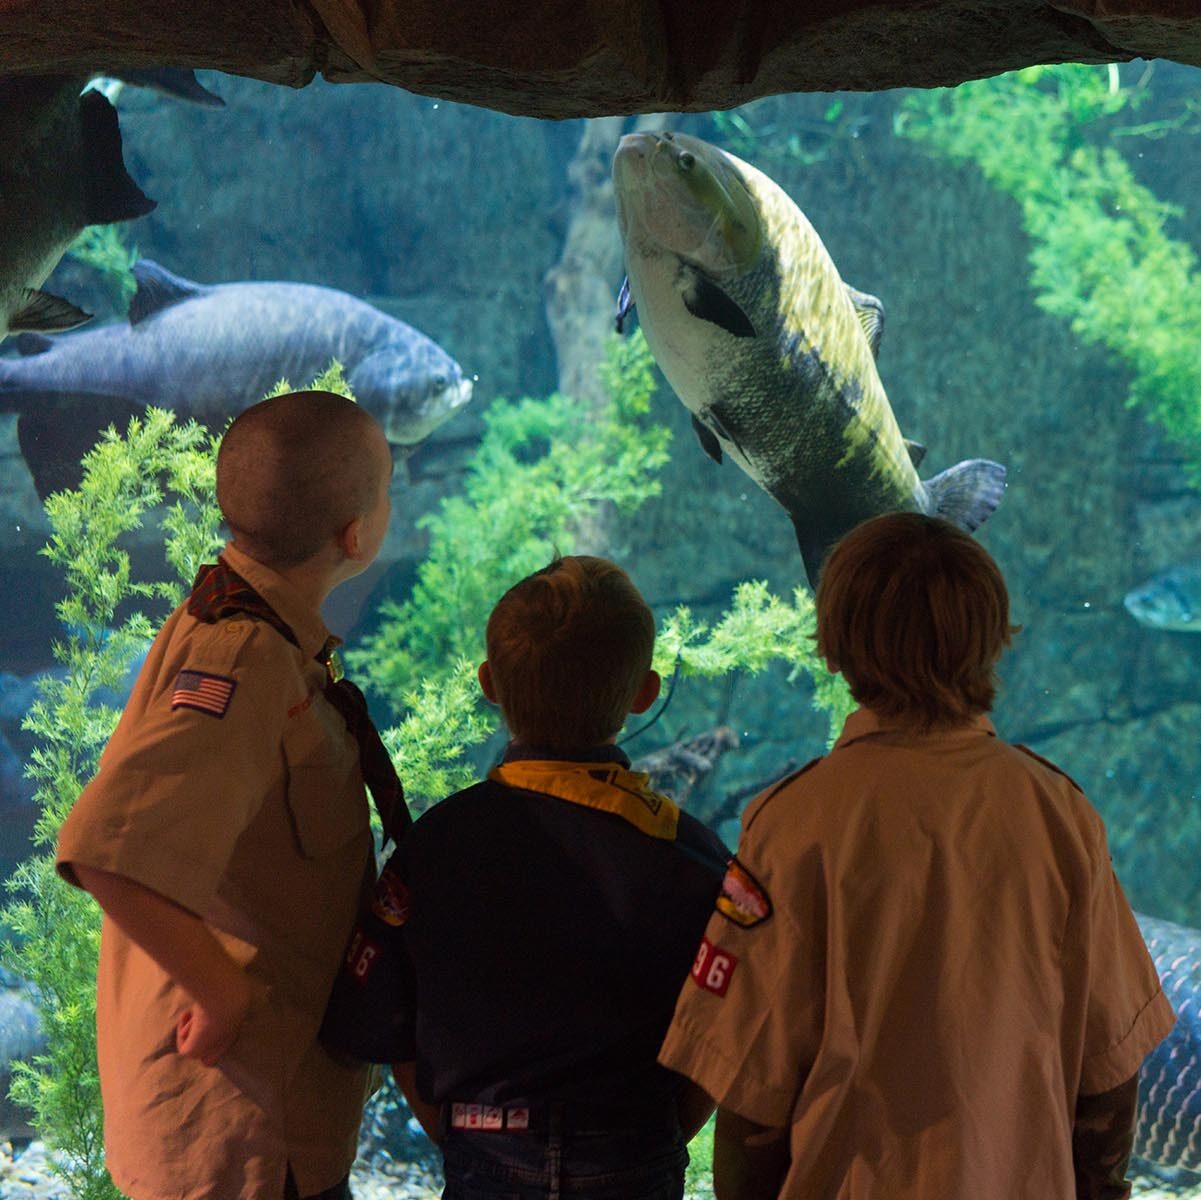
<point>203,692</point>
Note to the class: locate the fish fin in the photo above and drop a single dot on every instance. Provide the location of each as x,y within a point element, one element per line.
<point>707,439</point>
<point>158,288</point>
<point>707,302</point>
<point>870,311</point>
<point>625,305</point>
<point>916,452</point>
<point>967,493</point>
<point>178,82</point>
<point>43,312</point>
<point>109,193</point>
<point>813,552</point>
<point>30,344</point>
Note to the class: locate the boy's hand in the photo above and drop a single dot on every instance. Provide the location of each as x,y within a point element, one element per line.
<point>205,1032</point>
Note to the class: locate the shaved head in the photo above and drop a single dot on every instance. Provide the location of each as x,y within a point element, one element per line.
<point>295,470</point>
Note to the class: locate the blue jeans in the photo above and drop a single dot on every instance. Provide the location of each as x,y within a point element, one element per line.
<point>550,1166</point>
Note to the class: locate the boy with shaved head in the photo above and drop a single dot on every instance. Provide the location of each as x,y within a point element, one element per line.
<point>226,834</point>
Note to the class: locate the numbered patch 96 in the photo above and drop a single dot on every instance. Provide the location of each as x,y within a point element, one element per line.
<point>713,968</point>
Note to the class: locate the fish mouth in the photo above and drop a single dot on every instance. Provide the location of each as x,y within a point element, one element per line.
<point>406,428</point>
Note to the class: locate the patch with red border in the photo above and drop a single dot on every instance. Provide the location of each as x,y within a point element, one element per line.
<point>743,899</point>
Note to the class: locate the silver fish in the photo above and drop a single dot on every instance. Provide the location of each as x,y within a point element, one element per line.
<point>209,351</point>
<point>1170,599</point>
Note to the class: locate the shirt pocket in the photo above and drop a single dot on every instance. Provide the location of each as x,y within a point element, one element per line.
<point>325,795</point>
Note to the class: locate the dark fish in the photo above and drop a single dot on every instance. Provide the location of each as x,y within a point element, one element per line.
<point>772,353</point>
<point>60,169</point>
<point>210,351</point>
<point>1170,599</point>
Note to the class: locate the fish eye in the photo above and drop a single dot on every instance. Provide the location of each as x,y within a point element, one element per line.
<point>687,160</point>
<point>439,382</point>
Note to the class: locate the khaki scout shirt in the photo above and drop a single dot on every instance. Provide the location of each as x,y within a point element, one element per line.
<point>920,958</point>
<point>257,821</point>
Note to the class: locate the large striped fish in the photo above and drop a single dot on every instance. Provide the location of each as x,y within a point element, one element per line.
<point>769,349</point>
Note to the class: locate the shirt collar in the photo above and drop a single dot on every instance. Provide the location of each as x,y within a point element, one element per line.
<point>310,630</point>
<point>589,754</point>
<point>863,723</point>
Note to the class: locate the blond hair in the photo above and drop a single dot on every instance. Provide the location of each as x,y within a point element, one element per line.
<point>914,613</point>
<point>568,649</point>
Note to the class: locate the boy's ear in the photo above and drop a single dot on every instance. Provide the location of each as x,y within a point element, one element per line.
<point>485,677</point>
<point>350,539</point>
<point>647,694</point>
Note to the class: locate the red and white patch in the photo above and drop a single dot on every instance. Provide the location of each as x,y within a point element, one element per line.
<point>713,968</point>
<point>743,899</point>
<point>391,899</point>
<point>204,692</point>
<point>361,956</point>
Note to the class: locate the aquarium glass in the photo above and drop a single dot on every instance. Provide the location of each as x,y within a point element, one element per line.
<point>1032,243</point>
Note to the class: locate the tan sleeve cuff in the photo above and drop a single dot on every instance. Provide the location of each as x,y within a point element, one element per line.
<point>691,1053</point>
<point>1117,1063</point>
<point>187,883</point>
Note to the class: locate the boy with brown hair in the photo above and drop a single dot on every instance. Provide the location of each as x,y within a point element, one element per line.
<point>226,834</point>
<point>574,897</point>
<point>922,980</point>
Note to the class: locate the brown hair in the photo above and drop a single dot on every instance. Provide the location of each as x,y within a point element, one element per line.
<point>293,471</point>
<point>915,614</point>
<point>568,649</point>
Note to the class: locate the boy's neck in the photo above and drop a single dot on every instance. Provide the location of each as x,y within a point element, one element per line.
<point>311,580</point>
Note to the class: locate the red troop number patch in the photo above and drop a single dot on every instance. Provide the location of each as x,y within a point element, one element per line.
<point>713,968</point>
<point>361,957</point>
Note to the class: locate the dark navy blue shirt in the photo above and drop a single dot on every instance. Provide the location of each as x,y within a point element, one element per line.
<point>550,941</point>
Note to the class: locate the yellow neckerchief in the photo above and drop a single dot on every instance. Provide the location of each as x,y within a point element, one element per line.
<point>607,786</point>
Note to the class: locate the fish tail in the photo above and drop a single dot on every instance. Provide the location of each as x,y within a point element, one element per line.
<point>967,493</point>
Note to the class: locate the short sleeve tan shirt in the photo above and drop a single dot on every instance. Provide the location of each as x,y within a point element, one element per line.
<point>255,818</point>
<point>924,958</point>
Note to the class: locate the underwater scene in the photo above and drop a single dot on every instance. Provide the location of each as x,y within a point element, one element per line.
<point>1021,343</point>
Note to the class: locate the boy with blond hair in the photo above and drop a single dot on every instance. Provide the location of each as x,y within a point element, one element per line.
<point>922,980</point>
<point>226,834</point>
<point>573,896</point>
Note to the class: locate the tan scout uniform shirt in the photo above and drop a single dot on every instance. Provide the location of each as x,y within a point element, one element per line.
<point>921,957</point>
<point>257,821</point>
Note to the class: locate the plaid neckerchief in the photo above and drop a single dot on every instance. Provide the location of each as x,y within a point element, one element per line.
<point>220,592</point>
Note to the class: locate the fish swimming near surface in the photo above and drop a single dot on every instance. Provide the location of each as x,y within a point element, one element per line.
<point>61,168</point>
<point>209,351</point>
<point>772,353</point>
<point>1170,599</point>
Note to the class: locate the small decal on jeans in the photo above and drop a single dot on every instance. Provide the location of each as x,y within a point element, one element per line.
<point>713,968</point>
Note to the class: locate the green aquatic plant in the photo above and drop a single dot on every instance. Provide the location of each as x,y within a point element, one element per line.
<point>103,247</point>
<point>757,630</point>
<point>542,467</point>
<point>55,927</point>
<point>1100,254</point>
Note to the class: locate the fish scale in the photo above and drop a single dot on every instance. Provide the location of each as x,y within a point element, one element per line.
<point>1169,1111</point>
<point>769,349</point>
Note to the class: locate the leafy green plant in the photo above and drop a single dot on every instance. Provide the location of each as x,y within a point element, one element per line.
<point>1100,253</point>
<point>541,467</point>
<point>757,630</point>
<point>56,927</point>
